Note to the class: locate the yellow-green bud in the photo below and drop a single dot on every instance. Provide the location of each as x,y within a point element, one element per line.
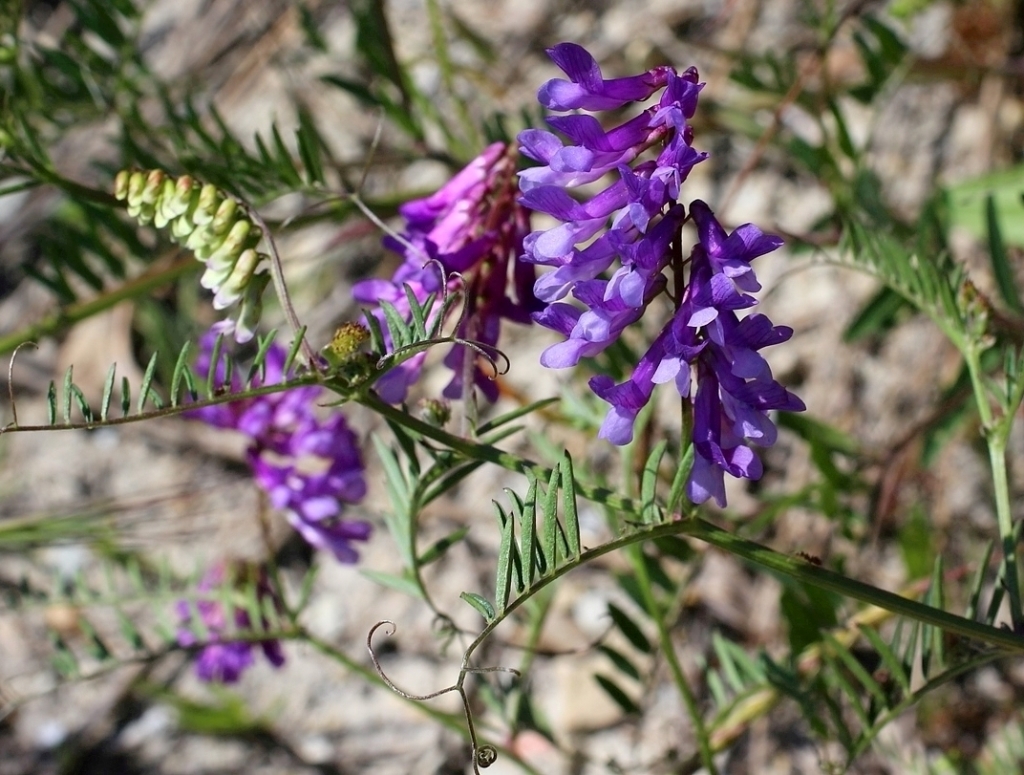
<point>231,290</point>
<point>154,185</point>
<point>234,243</point>
<point>202,241</point>
<point>165,212</point>
<point>181,227</point>
<point>209,200</point>
<point>225,216</point>
<point>136,183</point>
<point>145,214</point>
<point>252,308</point>
<point>346,343</point>
<point>435,411</point>
<point>121,185</point>
<point>216,274</point>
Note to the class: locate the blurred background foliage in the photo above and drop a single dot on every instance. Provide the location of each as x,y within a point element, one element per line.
<point>827,111</point>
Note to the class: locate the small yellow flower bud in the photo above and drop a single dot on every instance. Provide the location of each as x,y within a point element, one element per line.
<point>209,200</point>
<point>121,185</point>
<point>154,185</point>
<point>435,411</point>
<point>136,183</point>
<point>231,290</point>
<point>346,343</point>
<point>252,307</point>
<point>225,216</point>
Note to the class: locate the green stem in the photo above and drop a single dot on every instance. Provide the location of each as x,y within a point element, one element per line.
<point>168,411</point>
<point>1001,487</point>
<point>77,191</point>
<point>636,553</point>
<point>64,318</point>
<point>488,454</point>
<point>793,567</point>
<point>995,439</point>
<point>452,721</point>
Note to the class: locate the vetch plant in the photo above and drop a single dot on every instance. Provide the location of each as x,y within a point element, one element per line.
<point>582,223</point>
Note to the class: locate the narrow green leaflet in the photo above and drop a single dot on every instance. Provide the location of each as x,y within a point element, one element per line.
<point>484,608</point>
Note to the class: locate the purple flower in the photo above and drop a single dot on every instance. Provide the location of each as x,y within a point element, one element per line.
<point>465,237</point>
<point>222,659</point>
<point>632,229</point>
<point>587,89</point>
<point>308,467</point>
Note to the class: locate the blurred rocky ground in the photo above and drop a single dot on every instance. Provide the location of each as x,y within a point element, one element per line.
<point>181,490</point>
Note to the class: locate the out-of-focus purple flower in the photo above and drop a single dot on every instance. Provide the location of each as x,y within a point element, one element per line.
<point>465,237</point>
<point>222,659</point>
<point>632,229</point>
<point>309,468</point>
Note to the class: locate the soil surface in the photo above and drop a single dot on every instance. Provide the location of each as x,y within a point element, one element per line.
<point>179,490</point>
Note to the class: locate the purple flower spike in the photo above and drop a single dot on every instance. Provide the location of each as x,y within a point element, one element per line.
<point>711,355</point>
<point>465,237</point>
<point>222,660</point>
<point>309,468</point>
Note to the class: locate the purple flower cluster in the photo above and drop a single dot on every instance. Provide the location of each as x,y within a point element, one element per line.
<point>466,237</point>
<point>221,659</point>
<point>308,467</point>
<point>636,221</point>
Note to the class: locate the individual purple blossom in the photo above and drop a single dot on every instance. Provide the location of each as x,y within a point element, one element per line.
<point>464,237</point>
<point>222,659</point>
<point>632,229</point>
<point>309,468</point>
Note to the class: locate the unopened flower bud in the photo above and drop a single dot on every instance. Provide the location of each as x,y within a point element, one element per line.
<point>225,216</point>
<point>209,200</point>
<point>217,273</point>
<point>346,343</point>
<point>435,411</point>
<point>252,308</point>
<point>136,182</point>
<point>231,246</point>
<point>231,289</point>
<point>154,185</point>
<point>166,210</point>
<point>121,185</point>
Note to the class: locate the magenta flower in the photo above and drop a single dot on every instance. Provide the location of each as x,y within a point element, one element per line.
<point>221,659</point>
<point>309,468</point>
<point>465,237</point>
<point>631,229</point>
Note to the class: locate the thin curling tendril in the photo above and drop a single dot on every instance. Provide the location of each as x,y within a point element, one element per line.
<point>10,383</point>
<point>483,755</point>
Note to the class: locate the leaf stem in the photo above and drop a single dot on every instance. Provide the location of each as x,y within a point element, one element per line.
<point>757,554</point>
<point>995,439</point>
<point>65,317</point>
<point>654,610</point>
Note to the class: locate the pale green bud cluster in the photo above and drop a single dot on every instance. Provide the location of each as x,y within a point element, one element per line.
<point>215,227</point>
